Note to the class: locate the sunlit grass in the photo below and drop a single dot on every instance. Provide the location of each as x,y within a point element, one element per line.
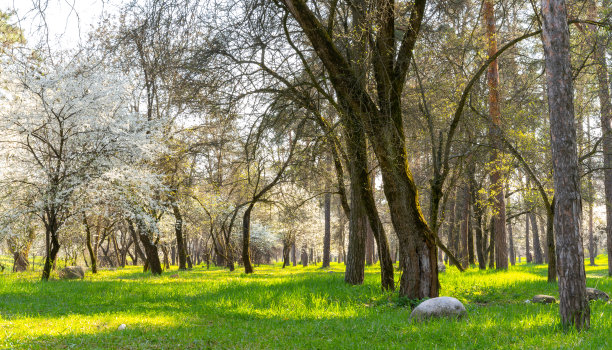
<point>294,307</point>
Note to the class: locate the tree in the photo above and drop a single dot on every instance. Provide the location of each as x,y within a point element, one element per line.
<point>65,124</point>
<point>382,122</point>
<point>574,305</point>
<point>497,181</point>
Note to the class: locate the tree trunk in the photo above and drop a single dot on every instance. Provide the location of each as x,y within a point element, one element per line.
<point>537,249</point>
<point>135,237</point>
<point>574,305</point>
<point>492,246</point>
<point>180,243</point>
<point>286,250</point>
<point>327,234</point>
<point>293,254</point>
<point>464,224</point>
<point>470,241</point>
<point>358,223</point>
<point>20,261</point>
<point>497,182</point>
<point>151,250</point>
<point>54,248</point>
<point>246,237</point>
<point>527,243</point>
<point>550,244</point>
<point>369,246</point>
<point>478,214</point>
<point>93,255</point>
<point>591,240</point>
<point>511,240</point>
<point>304,257</point>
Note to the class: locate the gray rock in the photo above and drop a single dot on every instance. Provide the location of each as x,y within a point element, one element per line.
<point>596,294</point>
<point>72,273</point>
<point>441,268</point>
<point>543,299</point>
<point>437,308</point>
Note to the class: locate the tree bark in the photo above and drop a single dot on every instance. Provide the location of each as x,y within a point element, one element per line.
<point>574,305</point>
<point>178,231</point>
<point>497,184</point>
<point>358,224</point>
<point>327,234</point>
<point>93,255</point>
<point>51,228</point>
<point>151,250</point>
<point>492,246</point>
<point>527,240</point>
<point>537,249</point>
<point>286,250</point>
<point>464,225</point>
<point>246,237</point>
<point>591,240</point>
<point>511,240</point>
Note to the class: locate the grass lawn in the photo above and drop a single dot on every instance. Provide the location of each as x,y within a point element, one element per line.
<point>292,308</point>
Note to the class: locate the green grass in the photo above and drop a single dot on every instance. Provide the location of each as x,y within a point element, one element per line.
<point>292,308</point>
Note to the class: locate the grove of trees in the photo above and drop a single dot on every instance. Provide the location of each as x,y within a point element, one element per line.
<point>411,134</point>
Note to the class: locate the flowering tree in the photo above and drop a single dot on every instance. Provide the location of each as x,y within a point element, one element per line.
<point>65,124</point>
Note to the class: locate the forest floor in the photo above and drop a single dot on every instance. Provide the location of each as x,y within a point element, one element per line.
<point>291,308</point>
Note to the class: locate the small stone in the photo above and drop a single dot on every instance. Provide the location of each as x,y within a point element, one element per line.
<point>72,273</point>
<point>596,294</point>
<point>121,327</point>
<point>447,307</point>
<point>174,276</point>
<point>543,299</point>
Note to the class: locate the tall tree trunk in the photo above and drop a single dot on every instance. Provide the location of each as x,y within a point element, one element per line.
<point>293,254</point>
<point>54,247</point>
<point>151,250</point>
<point>527,240</point>
<point>246,237</point>
<point>327,234</point>
<point>464,224</point>
<point>369,246</point>
<point>178,231</point>
<point>550,244</point>
<point>511,241</point>
<point>537,249</point>
<point>304,257</point>
<point>497,182</point>
<point>93,255</point>
<point>137,250</point>
<point>591,240</point>
<point>358,223</point>
<point>470,240</point>
<point>51,228</point>
<point>574,305</point>
<point>478,214</point>
<point>492,246</point>
<point>286,250</point>
<point>375,227</point>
